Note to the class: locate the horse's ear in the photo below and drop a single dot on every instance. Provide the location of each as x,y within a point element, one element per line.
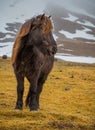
<point>42,16</point>
<point>49,16</point>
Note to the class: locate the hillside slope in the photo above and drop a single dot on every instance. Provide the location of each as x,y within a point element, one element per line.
<point>67,101</point>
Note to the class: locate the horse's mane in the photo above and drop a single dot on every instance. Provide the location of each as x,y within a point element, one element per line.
<point>41,21</point>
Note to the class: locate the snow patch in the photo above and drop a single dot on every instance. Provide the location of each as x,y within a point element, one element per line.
<point>59,45</point>
<point>55,37</point>
<point>78,34</point>
<point>7,36</point>
<point>78,59</point>
<point>86,23</point>
<point>90,43</point>
<point>66,49</point>
<point>75,19</point>
<point>7,49</point>
<point>71,18</point>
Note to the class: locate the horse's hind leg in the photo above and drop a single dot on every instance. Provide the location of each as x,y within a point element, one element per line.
<point>20,90</point>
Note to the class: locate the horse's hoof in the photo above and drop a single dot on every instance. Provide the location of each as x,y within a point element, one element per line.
<point>18,108</point>
<point>33,108</point>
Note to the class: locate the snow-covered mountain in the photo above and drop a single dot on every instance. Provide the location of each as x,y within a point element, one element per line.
<point>74,27</point>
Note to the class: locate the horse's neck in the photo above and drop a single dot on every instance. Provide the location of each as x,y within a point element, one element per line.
<point>42,41</point>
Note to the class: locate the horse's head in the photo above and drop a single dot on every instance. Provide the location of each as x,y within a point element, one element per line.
<point>43,22</point>
<point>41,33</point>
<point>41,30</point>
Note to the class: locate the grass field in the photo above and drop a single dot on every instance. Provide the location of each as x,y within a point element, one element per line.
<point>67,101</point>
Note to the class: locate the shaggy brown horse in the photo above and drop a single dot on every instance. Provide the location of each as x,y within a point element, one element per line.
<point>33,58</point>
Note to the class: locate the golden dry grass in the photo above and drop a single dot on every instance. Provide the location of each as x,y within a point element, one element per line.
<point>61,109</point>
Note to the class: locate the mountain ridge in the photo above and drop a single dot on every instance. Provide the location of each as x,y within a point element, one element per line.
<point>72,30</point>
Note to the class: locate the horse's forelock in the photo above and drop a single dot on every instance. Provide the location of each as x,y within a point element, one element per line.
<point>46,25</point>
<point>44,22</point>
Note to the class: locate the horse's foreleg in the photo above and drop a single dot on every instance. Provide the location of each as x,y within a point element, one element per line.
<point>31,99</point>
<point>41,81</point>
<point>42,78</point>
<point>20,90</point>
<point>39,90</point>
